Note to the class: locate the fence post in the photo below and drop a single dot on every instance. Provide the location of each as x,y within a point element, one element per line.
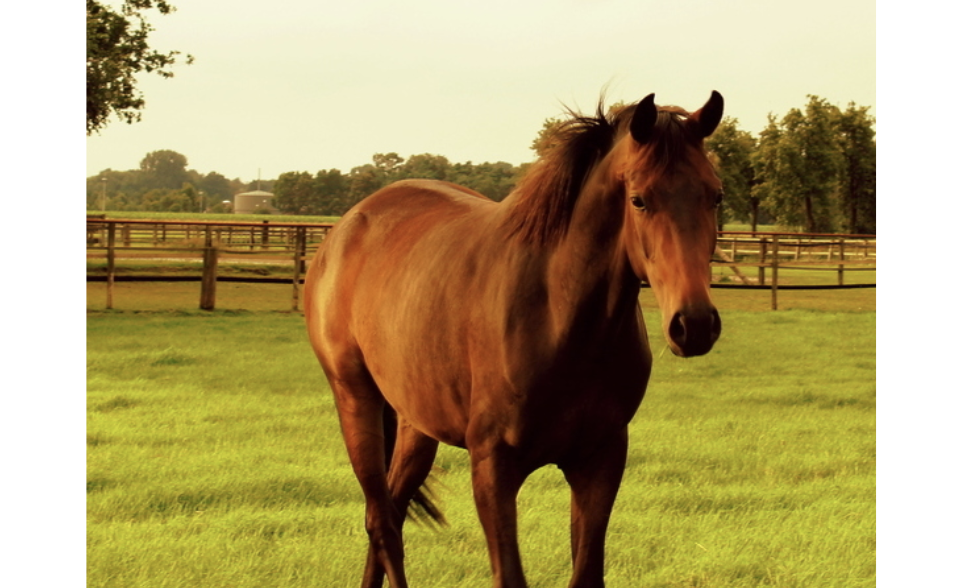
<point>775,266</point>
<point>843,260</point>
<point>209,275</point>
<point>111,232</point>
<point>762,276</point>
<point>299,265</point>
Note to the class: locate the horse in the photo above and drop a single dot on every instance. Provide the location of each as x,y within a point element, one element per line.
<point>513,329</point>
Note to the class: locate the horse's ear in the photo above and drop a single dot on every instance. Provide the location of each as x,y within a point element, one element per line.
<point>710,115</point>
<point>644,119</point>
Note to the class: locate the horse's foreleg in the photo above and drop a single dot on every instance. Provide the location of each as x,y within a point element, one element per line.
<point>594,481</point>
<point>496,479</point>
<point>361,411</point>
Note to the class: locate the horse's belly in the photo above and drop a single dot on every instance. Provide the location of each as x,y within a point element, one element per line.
<point>423,375</point>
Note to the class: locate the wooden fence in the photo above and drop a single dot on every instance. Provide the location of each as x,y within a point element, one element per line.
<point>798,252</point>
<point>752,260</point>
<point>210,242</point>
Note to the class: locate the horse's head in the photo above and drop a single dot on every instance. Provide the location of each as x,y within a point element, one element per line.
<point>671,197</point>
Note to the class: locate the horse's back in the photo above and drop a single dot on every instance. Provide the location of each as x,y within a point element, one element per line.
<point>384,265</point>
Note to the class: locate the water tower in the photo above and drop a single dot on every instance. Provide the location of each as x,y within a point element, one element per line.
<point>248,202</point>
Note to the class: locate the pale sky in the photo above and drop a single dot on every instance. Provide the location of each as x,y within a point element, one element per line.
<point>297,85</point>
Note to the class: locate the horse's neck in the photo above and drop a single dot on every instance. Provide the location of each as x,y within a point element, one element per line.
<point>589,274</point>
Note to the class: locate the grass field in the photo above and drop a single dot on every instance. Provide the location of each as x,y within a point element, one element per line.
<point>214,458</point>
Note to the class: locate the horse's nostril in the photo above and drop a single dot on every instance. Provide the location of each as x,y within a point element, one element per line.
<point>677,330</point>
<point>694,333</point>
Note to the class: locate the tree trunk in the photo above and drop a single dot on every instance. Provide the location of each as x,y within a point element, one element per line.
<point>811,223</point>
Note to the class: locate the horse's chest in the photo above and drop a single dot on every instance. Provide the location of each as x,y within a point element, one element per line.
<point>558,421</point>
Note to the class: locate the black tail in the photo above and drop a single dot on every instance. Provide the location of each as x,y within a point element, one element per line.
<point>421,508</point>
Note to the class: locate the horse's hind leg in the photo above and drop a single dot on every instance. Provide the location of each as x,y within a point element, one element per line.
<point>594,480</point>
<point>411,463</point>
<point>361,411</point>
<point>412,458</point>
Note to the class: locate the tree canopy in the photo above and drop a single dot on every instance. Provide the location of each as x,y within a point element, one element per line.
<point>732,149</point>
<point>816,168</point>
<point>812,169</point>
<point>117,50</point>
<point>332,193</point>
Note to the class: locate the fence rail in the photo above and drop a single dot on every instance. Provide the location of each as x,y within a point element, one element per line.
<point>741,260</point>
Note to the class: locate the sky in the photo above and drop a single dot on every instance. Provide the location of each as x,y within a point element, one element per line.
<point>297,85</point>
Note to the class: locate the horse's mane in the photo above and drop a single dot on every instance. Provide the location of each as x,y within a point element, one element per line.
<point>547,194</point>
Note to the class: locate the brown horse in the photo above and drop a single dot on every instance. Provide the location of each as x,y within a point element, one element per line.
<point>513,329</point>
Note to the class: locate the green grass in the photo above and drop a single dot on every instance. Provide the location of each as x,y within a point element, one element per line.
<point>214,460</point>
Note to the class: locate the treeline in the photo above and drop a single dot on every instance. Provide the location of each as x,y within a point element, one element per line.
<point>330,192</point>
<point>163,183</point>
<point>814,169</point>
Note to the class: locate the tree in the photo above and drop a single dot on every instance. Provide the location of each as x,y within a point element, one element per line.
<point>117,49</point>
<point>546,140</point>
<point>332,190</point>
<point>797,163</point>
<point>494,180</point>
<point>294,193</point>
<point>424,166</point>
<point>160,200</point>
<point>733,149</point>
<point>216,188</point>
<point>858,178</point>
<point>387,162</point>
<point>164,169</point>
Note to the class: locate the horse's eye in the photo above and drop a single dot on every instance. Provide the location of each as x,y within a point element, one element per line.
<point>719,198</point>
<point>638,202</point>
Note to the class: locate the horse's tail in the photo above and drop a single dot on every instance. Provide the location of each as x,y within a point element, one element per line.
<point>422,507</point>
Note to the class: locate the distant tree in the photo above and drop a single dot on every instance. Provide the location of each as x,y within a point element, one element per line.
<point>494,180</point>
<point>259,185</point>
<point>216,188</point>
<point>733,149</point>
<point>117,49</point>
<point>423,166</point>
<point>387,162</point>
<point>221,207</point>
<point>164,169</point>
<point>184,199</point>
<point>332,189</point>
<point>797,163</point>
<point>547,137</point>
<point>858,177</point>
<point>364,180</point>
<point>766,167</point>
<point>294,193</point>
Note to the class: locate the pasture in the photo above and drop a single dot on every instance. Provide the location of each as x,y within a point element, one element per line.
<point>215,459</point>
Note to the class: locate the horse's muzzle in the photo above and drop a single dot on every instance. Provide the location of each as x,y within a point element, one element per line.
<point>693,333</point>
